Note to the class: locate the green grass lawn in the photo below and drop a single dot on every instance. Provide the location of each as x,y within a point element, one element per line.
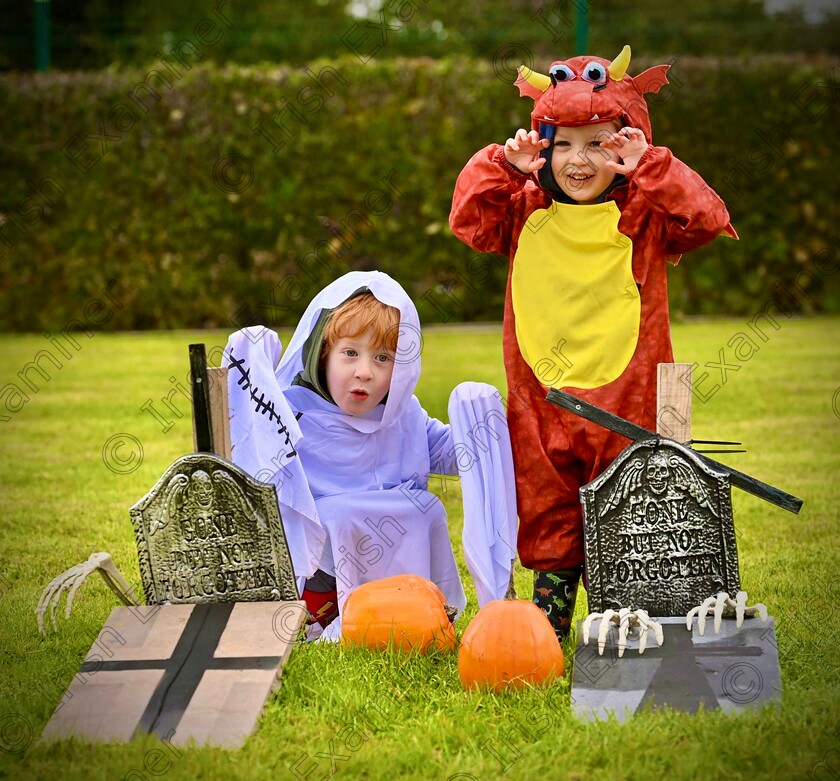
<point>362,715</point>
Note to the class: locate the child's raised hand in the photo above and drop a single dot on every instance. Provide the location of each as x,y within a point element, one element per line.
<point>522,151</point>
<point>629,144</point>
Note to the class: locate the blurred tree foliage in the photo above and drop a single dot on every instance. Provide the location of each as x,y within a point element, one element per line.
<point>101,33</point>
<point>227,196</point>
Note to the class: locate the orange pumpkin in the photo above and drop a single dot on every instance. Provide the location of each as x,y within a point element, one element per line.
<point>510,642</point>
<point>404,609</point>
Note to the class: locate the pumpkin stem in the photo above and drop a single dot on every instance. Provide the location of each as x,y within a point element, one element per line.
<point>511,592</point>
<point>451,612</point>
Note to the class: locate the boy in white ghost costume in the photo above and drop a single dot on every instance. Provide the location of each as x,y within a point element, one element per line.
<point>339,412</point>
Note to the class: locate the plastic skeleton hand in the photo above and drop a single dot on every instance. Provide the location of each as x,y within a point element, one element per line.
<point>723,606</point>
<point>70,581</point>
<point>632,622</point>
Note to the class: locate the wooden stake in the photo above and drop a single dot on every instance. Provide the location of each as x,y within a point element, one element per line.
<point>673,401</point>
<point>220,411</point>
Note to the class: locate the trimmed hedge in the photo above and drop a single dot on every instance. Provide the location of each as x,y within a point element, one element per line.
<point>198,211</point>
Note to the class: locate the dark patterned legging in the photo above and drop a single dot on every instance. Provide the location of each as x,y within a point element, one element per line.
<point>554,594</point>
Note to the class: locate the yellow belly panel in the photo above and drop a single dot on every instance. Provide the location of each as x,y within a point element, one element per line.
<point>576,303</point>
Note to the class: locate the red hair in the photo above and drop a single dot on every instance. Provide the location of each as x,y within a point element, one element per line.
<point>360,314</point>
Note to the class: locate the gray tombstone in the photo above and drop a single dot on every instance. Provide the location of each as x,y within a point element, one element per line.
<point>208,532</point>
<point>658,531</point>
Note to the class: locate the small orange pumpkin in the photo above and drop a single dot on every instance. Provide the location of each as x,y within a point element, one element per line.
<point>404,609</point>
<point>510,642</point>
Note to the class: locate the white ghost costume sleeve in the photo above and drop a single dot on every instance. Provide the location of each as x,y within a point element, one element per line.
<point>265,438</point>
<point>369,473</point>
<point>485,464</point>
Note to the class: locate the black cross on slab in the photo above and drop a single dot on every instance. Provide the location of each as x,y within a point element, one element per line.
<point>680,682</point>
<point>191,658</point>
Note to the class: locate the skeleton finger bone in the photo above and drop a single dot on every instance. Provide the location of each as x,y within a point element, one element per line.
<point>647,623</point>
<point>605,628</point>
<point>71,593</point>
<point>54,591</point>
<point>700,612</point>
<point>63,587</point>
<point>46,598</point>
<point>624,618</point>
<point>587,623</point>
<point>720,605</point>
<point>743,609</point>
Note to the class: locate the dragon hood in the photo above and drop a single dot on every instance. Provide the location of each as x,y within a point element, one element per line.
<point>585,90</point>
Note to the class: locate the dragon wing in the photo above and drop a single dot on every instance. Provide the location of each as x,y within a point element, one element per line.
<point>653,79</point>
<point>530,83</point>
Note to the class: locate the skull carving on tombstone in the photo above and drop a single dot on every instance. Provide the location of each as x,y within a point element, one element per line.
<point>657,473</point>
<point>201,489</point>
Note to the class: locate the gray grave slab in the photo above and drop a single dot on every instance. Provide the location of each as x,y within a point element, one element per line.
<point>187,673</point>
<point>735,669</point>
<point>208,532</point>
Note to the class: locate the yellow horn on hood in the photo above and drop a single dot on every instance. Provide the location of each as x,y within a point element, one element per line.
<point>538,80</point>
<point>619,65</point>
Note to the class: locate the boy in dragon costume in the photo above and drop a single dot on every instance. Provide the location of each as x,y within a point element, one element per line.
<point>588,211</point>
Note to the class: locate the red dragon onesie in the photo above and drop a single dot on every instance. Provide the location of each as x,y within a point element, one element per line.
<point>586,305</point>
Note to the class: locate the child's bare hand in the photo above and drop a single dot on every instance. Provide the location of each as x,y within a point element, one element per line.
<point>629,144</point>
<point>522,151</point>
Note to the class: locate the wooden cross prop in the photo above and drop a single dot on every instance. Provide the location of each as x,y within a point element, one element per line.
<point>185,673</point>
<point>673,422</point>
<point>182,672</point>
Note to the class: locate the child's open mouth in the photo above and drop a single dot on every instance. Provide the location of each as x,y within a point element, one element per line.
<point>359,395</point>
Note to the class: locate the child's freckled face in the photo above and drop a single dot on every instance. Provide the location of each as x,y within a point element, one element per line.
<point>577,161</point>
<point>358,373</point>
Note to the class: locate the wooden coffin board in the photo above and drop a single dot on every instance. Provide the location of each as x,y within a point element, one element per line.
<point>185,673</point>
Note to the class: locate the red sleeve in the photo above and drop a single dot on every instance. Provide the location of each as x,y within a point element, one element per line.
<point>482,206</point>
<point>692,212</point>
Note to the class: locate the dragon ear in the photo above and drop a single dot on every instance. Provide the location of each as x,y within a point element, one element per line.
<point>618,67</point>
<point>653,79</point>
<point>531,83</point>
